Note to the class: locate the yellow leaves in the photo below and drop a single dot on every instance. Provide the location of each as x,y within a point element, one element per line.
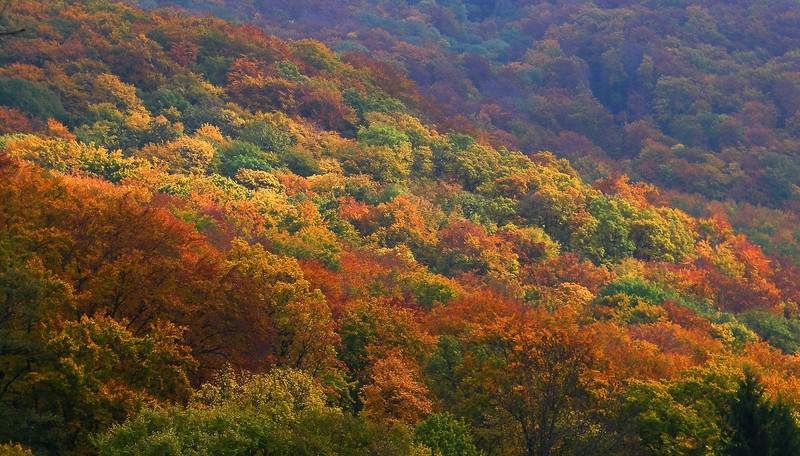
<point>418,133</point>
<point>256,179</point>
<point>54,154</point>
<point>281,394</point>
<point>290,324</point>
<point>58,130</point>
<point>209,133</point>
<point>731,333</point>
<point>272,271</point>
<point>410,220</point>
<point>73,157</point>
<point>108,86</point>
<point>138,120</point>
<point>9,449</point>
<point>315,54</point>
<point>568,299</point>
<point>327,184</point>
<point>531,243</point>
<point>187,154</point>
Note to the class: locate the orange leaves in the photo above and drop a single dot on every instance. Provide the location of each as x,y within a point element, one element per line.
<point>252,86</point>
<point>326,106</point>
<point>632,358</point>
<point>695,346</point>
<point>396,393</point>
<point>354,211</point>
<point>568,267</point>
<point>740,274</point>
<point>533,370</point>
<point>639,193</point>
<point>473,249</point>
<point>778,371</point>
<point>184,52</point>
<point>126,255</point>
<point>408,220</point>
<point>471,311</point>
<point>12,120</point>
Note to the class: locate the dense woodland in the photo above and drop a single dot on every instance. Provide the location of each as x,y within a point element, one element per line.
<point>700,97</point>
<point>506,228</point>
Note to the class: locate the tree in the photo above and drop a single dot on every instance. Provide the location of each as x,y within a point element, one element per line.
<point>92,373</point>
<point>31,97</point>
<point>532,379</point>
<point>8,449</point>
<point>684,416</point>
<point>280,413</point>
<point>759,426</point>
<point>272,316</point>
<point>779,331</point>
<point>446,435</point>
<point>395,394</point>
<point>185,154</point>
<point>239,155</point>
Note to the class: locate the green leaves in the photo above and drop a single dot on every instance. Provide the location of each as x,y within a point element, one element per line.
<point>281,413</point>
<point>244,155</point>
<point>682,417</point>
<point>446,435</point>
<point>31,97</point>
<point>758,425</point>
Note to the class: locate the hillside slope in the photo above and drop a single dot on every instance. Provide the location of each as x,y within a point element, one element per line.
<point>701,98</point>
<point>216,241</point>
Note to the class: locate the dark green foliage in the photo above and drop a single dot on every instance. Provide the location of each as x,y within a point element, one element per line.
<point>300,162</point>
<point>268,135</point>
<point>241,154</point>
<point>272,134</point>
<point>32,98</point>
<point>635,287</point>
<point>759,426</point>
<point>780,332</point>
<point>444,368</point>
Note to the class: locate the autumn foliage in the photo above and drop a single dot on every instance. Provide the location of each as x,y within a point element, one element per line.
<point>215,241</point>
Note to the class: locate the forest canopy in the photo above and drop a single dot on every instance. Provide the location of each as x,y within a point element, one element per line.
<point>214,240</point>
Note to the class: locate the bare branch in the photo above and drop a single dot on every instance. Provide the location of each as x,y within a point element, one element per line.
<point>11,32</point>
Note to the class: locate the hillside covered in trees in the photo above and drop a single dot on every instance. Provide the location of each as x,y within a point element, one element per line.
<point>215,241</point>
<point>699,97</point>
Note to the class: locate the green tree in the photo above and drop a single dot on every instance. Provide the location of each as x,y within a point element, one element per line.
<point>269,132</point>
<point>244,155</point>
<point>446,435</point>
<point>779,331</point>
<point>759,426</point>
<point>31,97</point>
<point>280,413</point>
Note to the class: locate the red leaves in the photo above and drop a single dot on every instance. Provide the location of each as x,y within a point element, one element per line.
<point>13,120</point>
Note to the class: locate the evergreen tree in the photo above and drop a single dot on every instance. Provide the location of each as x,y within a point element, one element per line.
<point>759,426</point>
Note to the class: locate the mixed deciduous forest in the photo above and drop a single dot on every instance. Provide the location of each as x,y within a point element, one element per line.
<point>419,228</point>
